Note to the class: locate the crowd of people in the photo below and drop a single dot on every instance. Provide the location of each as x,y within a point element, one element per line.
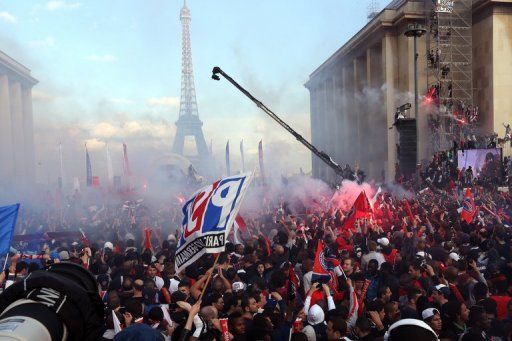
<point>411,267</point>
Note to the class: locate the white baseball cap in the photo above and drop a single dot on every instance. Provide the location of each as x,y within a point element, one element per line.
<point>383,241</point>
<point>440,286</point>
<point>454,256</point>
<point>429,312</point>
<point>238,286</point>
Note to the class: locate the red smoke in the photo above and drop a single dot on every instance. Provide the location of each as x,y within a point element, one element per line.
<point>345,196</point>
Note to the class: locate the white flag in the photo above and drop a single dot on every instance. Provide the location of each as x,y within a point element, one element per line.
<point>209,216</point>
<point>110,171</point>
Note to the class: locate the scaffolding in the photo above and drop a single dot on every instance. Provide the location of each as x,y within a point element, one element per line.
<point>450,85</point>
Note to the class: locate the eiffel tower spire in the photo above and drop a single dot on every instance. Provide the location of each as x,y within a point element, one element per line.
<point>188,123</point>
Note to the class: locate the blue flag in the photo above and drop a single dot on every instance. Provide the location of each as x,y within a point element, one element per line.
<point>8,216</point>
<point>88,167</point>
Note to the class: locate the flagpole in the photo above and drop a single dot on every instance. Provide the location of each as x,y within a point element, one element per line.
<point>209,277</point>
<point>343,272</point>
<point>61,166</point>
<point>5,264</point>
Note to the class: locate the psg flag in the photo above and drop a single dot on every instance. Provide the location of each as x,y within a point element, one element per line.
<point>468,207</point>
<point>208,217</point>
<point>324,264</point>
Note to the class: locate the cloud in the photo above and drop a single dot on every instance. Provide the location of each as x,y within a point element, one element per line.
<point>106,58</point>
<point>8,17</point>
<point>164,101</point>
<point>56,5</point>
<point>140,129</point>
<point>42,96</point>
<point>46,42</point>
<point>94,144</point>
<point>120,101</point>
<point>105,130</point>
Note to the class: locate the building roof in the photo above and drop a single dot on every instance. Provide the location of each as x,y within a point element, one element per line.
<point>395,4</point>
<point>387,16</point>
<point>17,69</point>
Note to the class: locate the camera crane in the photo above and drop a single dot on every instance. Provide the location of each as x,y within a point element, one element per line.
<point>321,154</point>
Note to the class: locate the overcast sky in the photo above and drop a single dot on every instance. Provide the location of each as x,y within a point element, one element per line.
<point>109,71</point>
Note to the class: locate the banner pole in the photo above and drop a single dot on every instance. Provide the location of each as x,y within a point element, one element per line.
<point>5,263</point>
<point>209,277</point>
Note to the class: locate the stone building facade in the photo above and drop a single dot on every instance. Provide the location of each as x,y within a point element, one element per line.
<point>17,159</point>
<point>355,92</point>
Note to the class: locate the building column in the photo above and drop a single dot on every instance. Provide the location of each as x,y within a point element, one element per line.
<point>361,109</point>
<point>313,118</point>
<point>369,115</point>
<point>6,150</point>
<point>357,118</point>
<point>338,114</point>
<point>351,118</point>
<point>324,109</point>
<point>18,136</point>
<point>330,125</point>
<point>389,65</point>
<point>346,115</point>
<point>28,131</point>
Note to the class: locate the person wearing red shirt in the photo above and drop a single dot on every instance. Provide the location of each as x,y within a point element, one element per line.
<point>501,298</point>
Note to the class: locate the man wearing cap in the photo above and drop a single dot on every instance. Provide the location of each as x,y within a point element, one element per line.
<point>439,295</point>
<point>388,252</point>
<point>452,259</point>
<point>432,317</point>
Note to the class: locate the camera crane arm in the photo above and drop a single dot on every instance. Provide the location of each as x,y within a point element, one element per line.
<point>321,154</point>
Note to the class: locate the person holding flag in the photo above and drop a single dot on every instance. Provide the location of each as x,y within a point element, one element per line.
<point>469,208</point>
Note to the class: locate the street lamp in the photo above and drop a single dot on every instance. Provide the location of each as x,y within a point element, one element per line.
<point>416,30</point>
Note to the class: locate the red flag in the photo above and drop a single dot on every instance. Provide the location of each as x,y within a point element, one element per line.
<point>84,239</point>
<point>96,181</point>
<point>239,227</point>
<point>502,214</point>
<point>147,238</point>
<point>267,244</point>
<point>360,209</point>
<point>409,212</point>
<point>293,283</point>
<point>468,207</point>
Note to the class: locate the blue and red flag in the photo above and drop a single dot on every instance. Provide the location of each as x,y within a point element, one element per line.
<point>469,208</point>
<point>208,217</point>
<point>324,264</point>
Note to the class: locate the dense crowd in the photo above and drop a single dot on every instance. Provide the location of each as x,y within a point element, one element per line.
<point>412,257</point>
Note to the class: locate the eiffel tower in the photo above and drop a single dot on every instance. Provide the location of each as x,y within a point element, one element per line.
<point>188,123</point>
